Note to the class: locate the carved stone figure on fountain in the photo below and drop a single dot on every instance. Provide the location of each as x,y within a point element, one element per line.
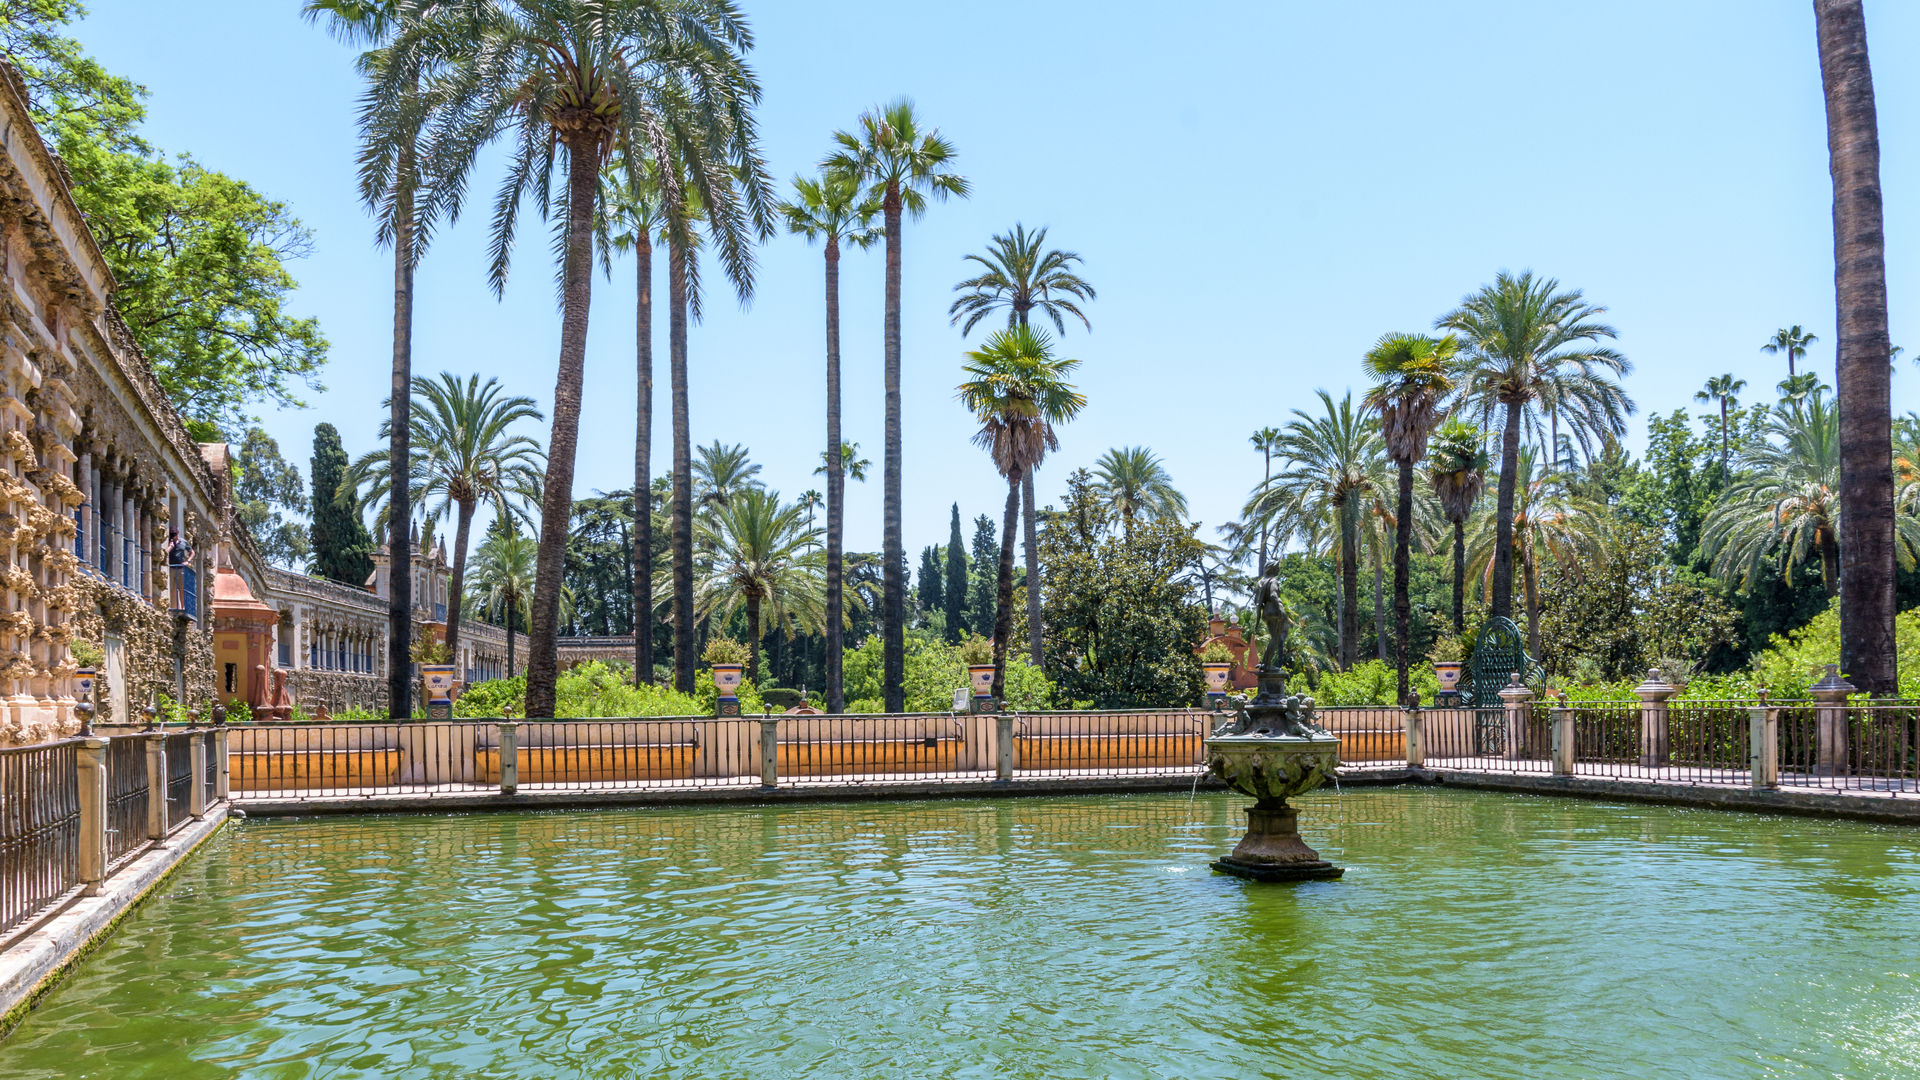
<point>1273,614</point>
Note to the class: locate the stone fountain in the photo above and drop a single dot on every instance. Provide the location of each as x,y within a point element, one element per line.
<point>1272,750</point>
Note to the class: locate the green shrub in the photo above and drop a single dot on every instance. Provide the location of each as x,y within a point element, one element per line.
<point>1370,683</point>
<point>593,690</point>
<point>780,698</point>
<point>492,699</point>
<point>724,651</point>
<point>934,671</point>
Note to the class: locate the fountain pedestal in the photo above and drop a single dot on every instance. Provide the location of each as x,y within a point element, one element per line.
<point>1273,751</point>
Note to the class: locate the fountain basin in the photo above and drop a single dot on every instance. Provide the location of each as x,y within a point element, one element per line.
<point>1273,769</point>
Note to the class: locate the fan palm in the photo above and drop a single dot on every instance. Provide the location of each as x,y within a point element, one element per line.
<point>1018,390</point>
<point>852,465</point>
<point>575,84</point>
<point>1791,342</point>
<point>503,581</point>
<point>1864,361</point>
<point>467,455</point>
<point>898,165</point>
<point>810,500</point>
<point>1133,482</point>
<point>1721,389</point>
<point>1528,346</point>
<point>832,210</point>
<point>1019,273</point>
<point>1457,472</point>
<point>760,554</point>
<point>1265,440</point>
<point>1549,522</point>
<point>1335,467</point>
<point>1412,375</point>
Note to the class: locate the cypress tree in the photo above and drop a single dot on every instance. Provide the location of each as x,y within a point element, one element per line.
<point>983,594</point>
<point>342,549</point>
<point>930,571</point>
<point>955,593</point>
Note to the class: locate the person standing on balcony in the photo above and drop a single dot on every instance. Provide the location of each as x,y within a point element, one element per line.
<point>179,552</point>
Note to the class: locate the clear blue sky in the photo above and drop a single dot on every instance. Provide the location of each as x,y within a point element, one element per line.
<point>1259,189</point>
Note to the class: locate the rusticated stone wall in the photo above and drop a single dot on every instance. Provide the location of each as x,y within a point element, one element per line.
<point>148,634</point>
<point>336,690</point>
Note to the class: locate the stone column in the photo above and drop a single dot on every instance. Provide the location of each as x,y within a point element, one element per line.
<point>157,788</point>
<point>222,779</point>
<point>1563,738</point>
<point>769,751</point>
<point>1416,738</point>
<point>509,756</point>
<point>1518,701</point>
<point>1003,747</point>
<point>92,754</point>
<point>1763,744</point>
<point>1655,751</point>
<point>197,790</point>
<point>1832,691</point>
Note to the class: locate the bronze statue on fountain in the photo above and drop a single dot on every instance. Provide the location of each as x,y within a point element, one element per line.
<point>1272,749</point>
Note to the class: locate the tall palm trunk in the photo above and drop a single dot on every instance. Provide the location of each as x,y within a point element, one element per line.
<point>894,587</point>
<point>1402,558</point>
<point>513,605</point>
<point>556,501</point>
<point>457,584</point>
<point>753,638</point>
<point>1830,564</point>
<point>400,472</point>
<point>1528,573</point>
<point>1032,541</point>
<point>1863,372</point>
<point>643,469</point>
<point>1503,515</point>
<point>1003,608</point>
<point>684,652</point>
<point>1459,575</point>
<point>836,491</point>
<point>1723,438</point>
<point>1349,585</point>
<point>1379,604</point>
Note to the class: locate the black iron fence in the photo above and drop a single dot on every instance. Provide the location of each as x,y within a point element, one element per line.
<point>128,791</point>
<point>180,777</point>
<point>39,828</point>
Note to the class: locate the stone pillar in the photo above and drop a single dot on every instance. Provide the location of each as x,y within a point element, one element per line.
<point>1416,738</point>
<point>769,751</point>
<point>1832,691</point>
<point>1655,750</point>
<point>197,791</point>
<point>157,788</point>
<point>1518,701</point>
<point>222,778</point>
<point>1003,747</point>
<point>509,756</point>
<point>92,754</point>
<point>1563,744</point>
<point>1763,744</point>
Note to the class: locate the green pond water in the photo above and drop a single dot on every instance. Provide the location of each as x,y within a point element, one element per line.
<point>1474,935</point>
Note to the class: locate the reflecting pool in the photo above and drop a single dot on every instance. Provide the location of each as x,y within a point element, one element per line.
<point>1474,935</point>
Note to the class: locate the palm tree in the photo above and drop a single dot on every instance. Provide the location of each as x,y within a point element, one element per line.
<point>760,554</point>
<point>899,166</point>
<point>810,501</point>
<point>1791,341</point>
<point>503,581</point>
<point>576,84</point>
<point>1549,522</point>
<point>467,455</point>
<point>1018,391</point>
<point>1020,274</point>
<point>1133,481</point>
<point>1336,467</point>
<point>832,211</point>
<point>1722,388</point>
<point>1457,472</point>
<point>389,185</point>
<point>1784,508</point>
<point>852,465</point>
<point>1265,440</point>
<point>721,472</point>
<point>1863,371</point>
<point>1527,343</point>
<point>636,222</point>
<point>1412,376</point>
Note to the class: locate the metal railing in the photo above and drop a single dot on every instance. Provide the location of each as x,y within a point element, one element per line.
<point>128,791</point>
<point>1850,746</point>
<point>1146,742</point>
<point>180,777</point>
<point>39,828</point>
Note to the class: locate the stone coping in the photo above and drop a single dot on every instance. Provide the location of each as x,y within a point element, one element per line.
<point>36,961</point>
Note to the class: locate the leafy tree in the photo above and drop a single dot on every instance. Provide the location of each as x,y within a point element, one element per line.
<point>982,567</point>
<point>1018,391</point>
<point>1618,614</point>
<point>760,555</point>
<point>1550,525</point>
<point>832,210</point>
<point>600,558</point>
<point>931,599</point>
<point>342,550</point>
<point>1122,616</point>
<point>1411,376</point>
<point>264,485</point>
<point>1532,348</point>
<point>898,165</point>
<point>577,84</point>
<point>954,595</point>
<point>1132,478</point>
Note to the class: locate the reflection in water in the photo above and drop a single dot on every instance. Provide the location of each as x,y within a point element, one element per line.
<point>1474,934</point>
